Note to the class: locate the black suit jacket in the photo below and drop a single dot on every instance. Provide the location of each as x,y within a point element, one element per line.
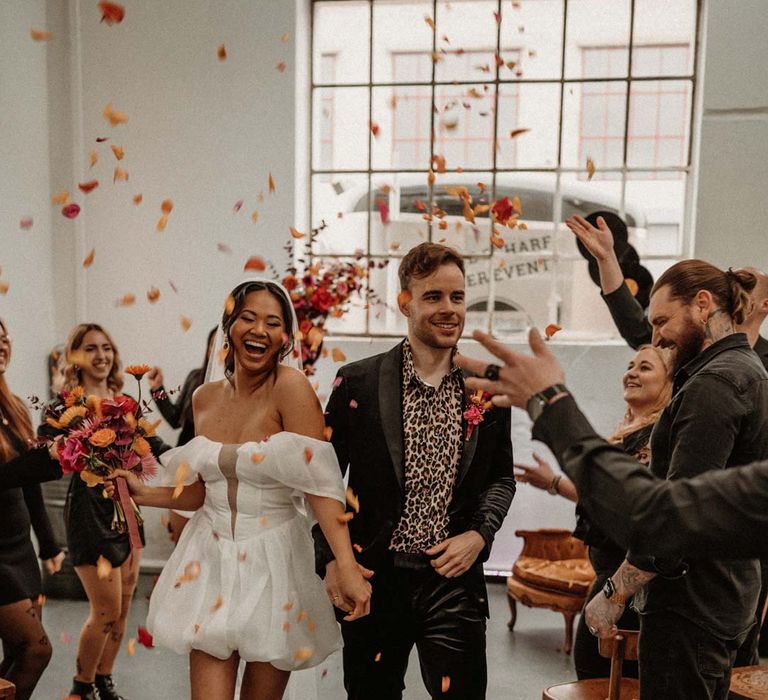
<point>366,416</point>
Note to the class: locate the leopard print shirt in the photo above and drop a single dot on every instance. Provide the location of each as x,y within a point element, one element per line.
<point>432,421</point>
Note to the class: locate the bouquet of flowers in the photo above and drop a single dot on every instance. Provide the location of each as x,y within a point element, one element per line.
<point>317,294</point>
<point>100,435</point>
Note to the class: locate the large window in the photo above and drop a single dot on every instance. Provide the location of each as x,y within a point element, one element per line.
<point>416,104</point>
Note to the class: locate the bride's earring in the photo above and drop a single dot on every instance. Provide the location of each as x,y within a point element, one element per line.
<point>225,346</point>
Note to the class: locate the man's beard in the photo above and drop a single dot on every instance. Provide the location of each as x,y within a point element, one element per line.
<point>688,346</point>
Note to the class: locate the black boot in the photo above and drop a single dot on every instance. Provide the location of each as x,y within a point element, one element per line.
<point>84,691</point>
<point>106,687</point>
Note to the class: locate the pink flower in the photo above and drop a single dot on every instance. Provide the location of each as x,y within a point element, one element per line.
<point>72,457</point>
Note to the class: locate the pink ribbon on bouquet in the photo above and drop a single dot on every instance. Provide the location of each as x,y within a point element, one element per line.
<point>124,496</point>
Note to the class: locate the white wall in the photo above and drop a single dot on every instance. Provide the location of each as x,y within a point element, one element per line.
<point>25,256</point>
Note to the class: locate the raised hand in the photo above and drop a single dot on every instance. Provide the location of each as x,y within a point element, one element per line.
<point>155,378</point>
<point>540,476</point>
<point>522,376</point>
<point>598,241</point>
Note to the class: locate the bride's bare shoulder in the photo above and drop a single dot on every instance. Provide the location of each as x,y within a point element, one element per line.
<point>207,393</point>
<point>292,380</point>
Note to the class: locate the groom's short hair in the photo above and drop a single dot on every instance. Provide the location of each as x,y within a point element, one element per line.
<point>424,259</point>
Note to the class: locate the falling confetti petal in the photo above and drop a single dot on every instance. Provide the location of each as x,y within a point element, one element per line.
<point>131,647</point>
<point>127,300</point>
<point>271,183</point>
<point>590,168</point>
<point>374,129</point>
<point>377,658</point>
<point>551,329</point>
<point>88,261</point>
<point>238,205</point>
<point>516,132</point>
<point>153,295</point>
<point>430,22</point>
<point>255,262</point>
<point>284,38</point>
<point>217,604</point>
<point>297,234</point>
<point>173,286</point>
<point>439,163</point>
<point>303,654</point>
<point>113,116</point>
<point>93,158</point>
<point>26,223</point>
<point>186,323</point>
<point>137,198</point>
<point>327,432</point>
<point>103,567</point>
<point>221,53</point>
<point>71,210</point>
<point>281,67</point>
<point>446,684</point>
<point>41,600</point>
<point>223,248</point>
<point>634,288</point>
<point>307,455</point>
<point>383,208</point>
<point>255,217</point>
<point>120,174</point>
<point>338,355</point>
<point>162,223</point>
<point>353,404</point>
<point>353,500</point>
<point>41,35</point>
<point>86,187</point>
<point>111,12</point>
<point>60,198</point>
<point>257,457</point>
<point>144,638</point>
<point>167,206</point>
<point>118,151</point>
<point>4,286</point>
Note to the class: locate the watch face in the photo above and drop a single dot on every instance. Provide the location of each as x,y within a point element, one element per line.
<point>608,589</point>
<point>534,407</point>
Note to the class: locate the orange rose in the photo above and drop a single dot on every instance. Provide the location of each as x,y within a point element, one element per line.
<point>141,446</point>
<point>102,438</point>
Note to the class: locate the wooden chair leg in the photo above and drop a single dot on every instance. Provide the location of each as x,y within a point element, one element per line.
<point>569,617</point>
<point>513,611</point>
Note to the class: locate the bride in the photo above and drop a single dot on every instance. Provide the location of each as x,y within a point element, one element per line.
<point>241,582</point>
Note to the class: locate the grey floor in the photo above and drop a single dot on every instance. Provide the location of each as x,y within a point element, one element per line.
<point>519,663</point>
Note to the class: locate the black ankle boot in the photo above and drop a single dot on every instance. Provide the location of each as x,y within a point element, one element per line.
<point>106,688</point>
<point>84,691</point>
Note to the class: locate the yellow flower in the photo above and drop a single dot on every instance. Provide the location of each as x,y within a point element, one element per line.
<point>141,446</point>
<point>54,423</point>
<point>137,371</point>
<point>72,414</point>
<point>93,403</point>
<point>74,396</point>
<point>102,438</point>
<point>130,419</point>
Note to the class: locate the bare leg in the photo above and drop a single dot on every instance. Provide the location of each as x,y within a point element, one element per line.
<point>129,574</point>
<point>24,639</point>
<point>104,596</point>
<point>211,678</point>
<point>262,681</point>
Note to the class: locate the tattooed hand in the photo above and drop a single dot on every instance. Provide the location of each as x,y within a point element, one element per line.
<point>601,616</point>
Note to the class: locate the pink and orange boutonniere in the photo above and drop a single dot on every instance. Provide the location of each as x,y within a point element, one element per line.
<point>477,404</point>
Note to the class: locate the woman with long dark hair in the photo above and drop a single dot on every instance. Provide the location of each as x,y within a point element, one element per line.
<point>26,649</point>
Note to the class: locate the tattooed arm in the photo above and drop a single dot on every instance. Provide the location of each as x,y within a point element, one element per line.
<point>602,613</point>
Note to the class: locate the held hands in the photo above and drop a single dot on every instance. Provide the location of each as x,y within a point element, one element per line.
<point>348,589</point>
<point>601,616</point>
<point>53,566</point>
<point>521,377</point>
<point>135,486</point>
<point>540,476</point>
<point>598,241</point>
<point>155,378</point>
<point>457,553</point>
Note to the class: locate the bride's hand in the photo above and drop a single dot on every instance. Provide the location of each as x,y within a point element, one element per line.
<point>354,590</point>
<point>136,488</point>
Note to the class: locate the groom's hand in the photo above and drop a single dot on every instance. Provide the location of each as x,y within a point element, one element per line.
<point>457,554</point>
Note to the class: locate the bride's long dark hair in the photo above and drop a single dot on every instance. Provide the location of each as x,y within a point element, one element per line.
<point>15,412</point>
<point>234,306</point>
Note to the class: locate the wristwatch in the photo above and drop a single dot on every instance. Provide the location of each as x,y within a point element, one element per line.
<point>537,402</point>
<point>609,591</point>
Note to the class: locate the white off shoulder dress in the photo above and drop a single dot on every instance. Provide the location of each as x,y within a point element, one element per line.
<point>242,576</point>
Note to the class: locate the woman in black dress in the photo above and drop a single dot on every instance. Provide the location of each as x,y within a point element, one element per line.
<point>647,389</point>
<point>179,415</point>
<point>93,363</point>
<point>26,649</point>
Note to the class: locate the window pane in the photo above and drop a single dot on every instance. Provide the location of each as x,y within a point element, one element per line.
<point>535,31</point>
<point>340,201</point>
<point>671,22</point>
<point>403,117</point>
<point>399,27</point>
<point>663,206</point>
<point>584,29</point>
<point>466,40</point>
<point>340,117</point>
<point>342,30</point>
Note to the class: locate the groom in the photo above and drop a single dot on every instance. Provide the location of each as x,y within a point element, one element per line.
<point>433,490</point>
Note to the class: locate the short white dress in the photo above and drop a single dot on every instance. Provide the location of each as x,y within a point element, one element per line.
<point>242,575</point>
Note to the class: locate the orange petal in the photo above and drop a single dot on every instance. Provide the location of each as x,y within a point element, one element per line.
<point>40,35</point>
<point>131,647</point>
<point>430,22</point>
<point>103,566</point>
<point>257,457</point>
<point>186,323</point>
<point>255,262</point>
<point>374,128</point>
<point>111,12</point>
<point>281,67</point>
<point>284,38</point>
<point>166,206</point>
<point>439,163</point>
<point>118,151</point>
<point>327,432</point>
<point>127,300</point>
<point>307,455</point>
<point>93,158</point>
<point>271,183</point>
<point>89,258</point>
<point>153,295</point>
<point>137,198</point>
<point>41,600</point>
<point>377,658</point>
<point>430,177</point>
<point>446,684</point>
<point>120,174</point>
<point>217,604</point>
<point>60,198</point>
<point>162,223</point>
<point>516,132</point>
<point>303,654</point>
<point>634,288</point>
<point>590,168</point>
<point>297,234</point>
<point>221,53</point>
<point>551,329</point>
<point>89,186</point>
<point>255,217</point>
<point>113,116</point>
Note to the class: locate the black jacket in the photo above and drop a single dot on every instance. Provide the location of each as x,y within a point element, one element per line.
<point>365,414</point>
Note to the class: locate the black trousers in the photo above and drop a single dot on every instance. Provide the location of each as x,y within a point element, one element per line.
<point>586,654</point>
<point>440,616</point>
<point>681,661</point>
<point>754,645</point>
